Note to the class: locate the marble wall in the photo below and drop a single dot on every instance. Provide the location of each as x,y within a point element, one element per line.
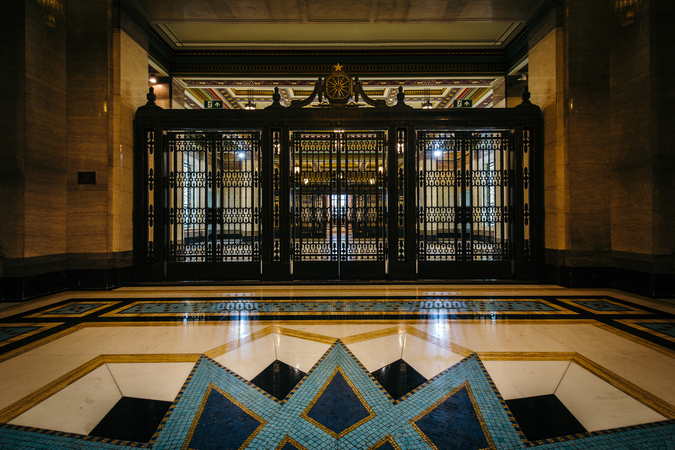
<point>642,95</point>
<point>77,77</point>
<point>586,90</point>
<point>131,75</point>
<point>545,84</point>
<point>12,131</point>
<point>607,102</point>
<point>90,121</point>
<point>34,154</point>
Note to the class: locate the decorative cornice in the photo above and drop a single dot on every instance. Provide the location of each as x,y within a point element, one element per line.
<point>311,69</point>
<point>336,53</point>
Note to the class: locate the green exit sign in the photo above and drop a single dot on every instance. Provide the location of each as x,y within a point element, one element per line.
<point>463,103</point>
<point>210,104</point>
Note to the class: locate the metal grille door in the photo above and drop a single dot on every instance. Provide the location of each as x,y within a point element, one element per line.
<point>213,196</point>
<point>338,198</point>
<point>463,195</point>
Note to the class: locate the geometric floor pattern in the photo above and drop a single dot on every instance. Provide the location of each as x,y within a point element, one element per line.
<point>338,402</point>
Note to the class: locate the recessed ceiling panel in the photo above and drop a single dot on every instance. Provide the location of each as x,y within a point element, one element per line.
<point>349,35</point>
<point>335,11</point>
<point>455,10</point>
<point>224,11</point>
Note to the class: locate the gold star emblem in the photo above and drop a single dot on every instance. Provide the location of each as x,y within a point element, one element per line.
<point>338,67</point>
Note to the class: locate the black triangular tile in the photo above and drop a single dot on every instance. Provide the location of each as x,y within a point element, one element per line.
<point>132,419</point>
<point>278,379</point>
<point>398,378</point>
<point>544,417</point>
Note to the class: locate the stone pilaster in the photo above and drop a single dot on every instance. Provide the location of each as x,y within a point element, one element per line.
<point>33,151</point>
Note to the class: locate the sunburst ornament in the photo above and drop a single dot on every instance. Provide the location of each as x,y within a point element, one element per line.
<point>338,87</point>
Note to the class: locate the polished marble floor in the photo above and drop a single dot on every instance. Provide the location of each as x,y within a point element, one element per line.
<point>338,366</point>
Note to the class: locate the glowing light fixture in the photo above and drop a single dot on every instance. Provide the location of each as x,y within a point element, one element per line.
<point>249,104</point>
<point>427,104</point>
<point>153,80</point>
<point>627,10</point>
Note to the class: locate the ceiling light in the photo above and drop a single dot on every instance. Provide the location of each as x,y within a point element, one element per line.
<point>249,104</point>
<point>427,104</point>
<point>153,80</point>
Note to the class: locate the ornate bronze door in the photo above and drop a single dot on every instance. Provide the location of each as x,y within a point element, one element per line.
<point>463,200</point>
<point>338,204</point>
<point>213,202</point>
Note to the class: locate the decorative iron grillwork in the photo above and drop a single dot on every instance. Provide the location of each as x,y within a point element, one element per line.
<point>213,193</point>
<point>401,142</point>
<point>338,196</point>
<point>276,193</point>
<point>527,154</point>
<point>463,196</point>
<point>150,195</point>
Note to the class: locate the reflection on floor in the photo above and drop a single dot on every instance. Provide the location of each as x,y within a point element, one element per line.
<point>350,367</point>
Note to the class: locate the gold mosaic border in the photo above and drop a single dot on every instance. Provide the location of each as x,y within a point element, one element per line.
<point>630,309</point>
<point>20,406</point>
<point>643,396</point>
<point>371,413</point>
<point>646,398</point>
<point>43,327</point>
<point>195,421</point>
<point>289,440</point>
<point>33,345</point>
<point>45,313</point>
<point>386,439</point>
<point>638,340</point>
<point>488,437</point>
<point>635,323</point>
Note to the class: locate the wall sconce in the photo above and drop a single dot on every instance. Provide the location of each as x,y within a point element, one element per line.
<point>627,10</point>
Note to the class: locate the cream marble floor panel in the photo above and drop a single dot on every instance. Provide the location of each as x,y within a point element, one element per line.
<point>97,340</point>
<point>155,381</point>
<point>491,337</point>
<point>189,338</point>
<point>648,369</point>
<point>586,337</point>
<point>520,379</point>
<point>427,358</point>
<point>338,331</point>
<point>598,405</point>
<point>250,359</point>
<point>377,353</point>
<point>24,374</point>
<point>299,353</point>
<point>77,408</point>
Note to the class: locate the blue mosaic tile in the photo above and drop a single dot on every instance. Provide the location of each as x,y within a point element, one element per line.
<point>454,423</point>
<point>221,423</point>
<point>665,328</point>
<point>386,446</point>
<point>7,333</point>
<point>338,407</point>
<point>356,306</point>
<point>279,420</point>
<point>601,306</point>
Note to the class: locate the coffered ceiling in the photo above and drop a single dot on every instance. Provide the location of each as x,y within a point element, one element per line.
<point>338,23</point>
<point>217,47</point>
